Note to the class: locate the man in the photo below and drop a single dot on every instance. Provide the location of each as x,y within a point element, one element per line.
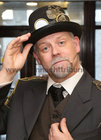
<point>12,62</point>
<point>36,111</point>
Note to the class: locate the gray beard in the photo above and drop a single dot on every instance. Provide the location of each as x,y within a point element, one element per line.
<point>60,72</point>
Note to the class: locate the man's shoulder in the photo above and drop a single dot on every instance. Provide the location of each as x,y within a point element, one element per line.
<point>32,79</point>
<point>29,82</point>
<point>97,84</point>
<point>24,84</point>
<point>96,90</point>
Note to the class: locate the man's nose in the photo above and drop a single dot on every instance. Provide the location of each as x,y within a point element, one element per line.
<point>55,50</point>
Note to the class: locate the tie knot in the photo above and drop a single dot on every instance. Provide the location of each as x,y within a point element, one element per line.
<point>56,93</point>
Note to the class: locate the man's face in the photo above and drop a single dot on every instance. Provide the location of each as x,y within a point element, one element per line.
<point>57,53</point>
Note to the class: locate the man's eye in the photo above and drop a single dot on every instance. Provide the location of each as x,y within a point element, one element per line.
<point>61,42</point>
<point>45,49</point>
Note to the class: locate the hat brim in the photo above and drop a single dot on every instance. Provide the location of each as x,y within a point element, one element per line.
<point>54,28</point>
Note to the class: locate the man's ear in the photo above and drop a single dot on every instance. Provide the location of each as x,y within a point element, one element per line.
<point>77,45</point>
<point>36,57</point>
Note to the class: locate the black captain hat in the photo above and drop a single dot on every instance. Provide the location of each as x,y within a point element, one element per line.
<point>50,19</point>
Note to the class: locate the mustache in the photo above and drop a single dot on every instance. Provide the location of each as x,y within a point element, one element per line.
<point>57,59</point>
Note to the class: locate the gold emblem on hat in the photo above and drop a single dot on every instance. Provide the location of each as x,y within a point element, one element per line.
<point>56,13</point>
<point>62,17</point>
<point>51,12</point>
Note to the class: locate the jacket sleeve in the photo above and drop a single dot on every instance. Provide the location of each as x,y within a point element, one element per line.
<point>3,108</point>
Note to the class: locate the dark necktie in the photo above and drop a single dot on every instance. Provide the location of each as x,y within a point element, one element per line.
<point>56,93</point>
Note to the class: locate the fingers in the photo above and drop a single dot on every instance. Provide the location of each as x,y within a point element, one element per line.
<point>54,127</point>
<point>18,41</point>
<point>26,50</point>
<point>65,129</point>
<point>56,134</point>
<point>54,130</point>
<point>21,39</point>
<point>63,125</point>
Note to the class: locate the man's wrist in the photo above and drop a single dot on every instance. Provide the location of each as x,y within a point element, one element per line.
<point>7,76</point>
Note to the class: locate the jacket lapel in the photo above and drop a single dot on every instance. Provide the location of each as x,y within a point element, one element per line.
<point>32,103</point>
<point>79,103</point>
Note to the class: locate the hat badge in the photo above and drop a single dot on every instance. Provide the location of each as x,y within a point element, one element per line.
<point>41,22</point>
<point>56,13</point>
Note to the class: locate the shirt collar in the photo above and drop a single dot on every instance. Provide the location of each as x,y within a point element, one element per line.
<point>68,84</point>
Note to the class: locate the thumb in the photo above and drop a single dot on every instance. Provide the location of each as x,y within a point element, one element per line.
<point>63,125</point>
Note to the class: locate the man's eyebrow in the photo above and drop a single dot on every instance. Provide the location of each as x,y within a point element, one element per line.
<point>63,36</point>
<point>59,37</point>
<point>41,43</point>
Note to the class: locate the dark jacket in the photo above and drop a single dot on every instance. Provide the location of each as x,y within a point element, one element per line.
<point>83,110</point>
<point>3,108</point>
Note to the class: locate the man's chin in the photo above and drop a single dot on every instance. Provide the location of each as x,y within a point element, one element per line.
<point>61,72</point>
<point>60,75</point>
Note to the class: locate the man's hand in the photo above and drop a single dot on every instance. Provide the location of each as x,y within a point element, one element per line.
<point>56,134</point>
<point>13,59</point>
